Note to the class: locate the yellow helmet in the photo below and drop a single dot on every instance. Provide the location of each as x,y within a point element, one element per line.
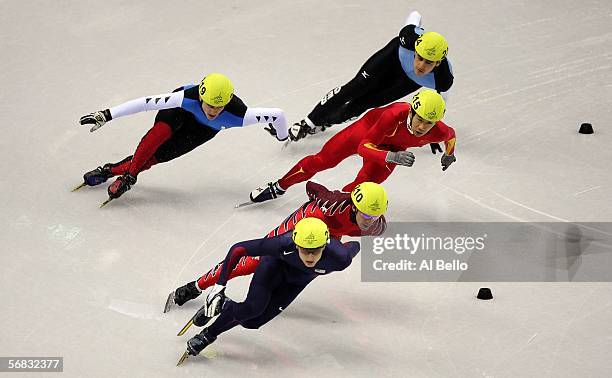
<point>310,233</point>
<point>429,104</point>
<point>216,89</point>
<point>370,198</point>
<point>431,46</point>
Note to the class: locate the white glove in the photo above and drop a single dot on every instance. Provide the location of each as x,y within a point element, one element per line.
<point>215,300</point>
<point>97,119</point>
<point>414,18</point>
<point>405,158</point>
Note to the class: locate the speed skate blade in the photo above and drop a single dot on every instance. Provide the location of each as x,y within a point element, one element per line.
<point>243,204</point>
<point>185,327</point>
<point>78,187</point>
<point>105,202</point>
<point>182,359</point>
<point>169,302</point>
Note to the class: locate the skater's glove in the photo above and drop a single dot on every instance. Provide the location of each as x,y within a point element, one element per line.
<point>405,158</point>
<point>295,133</point>
<point>215,300</point>
<point>97,119</point>
<point>435,147</point>
<point>447,160</point>
<point>299,131</point>
<point>272,132</point>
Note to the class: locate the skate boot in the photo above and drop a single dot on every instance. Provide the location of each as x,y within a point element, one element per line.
<point>200,318</point>
<point>200,341</point>
<point>182,295</point>
<point>186,293</point>
<point>121,185</point>
<point>98,175</point>
<point>266,193</point>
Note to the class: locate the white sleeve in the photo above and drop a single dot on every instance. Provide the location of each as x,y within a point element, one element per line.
<point>414,18</point>
<point>157,102</point>
<point>273,116</point>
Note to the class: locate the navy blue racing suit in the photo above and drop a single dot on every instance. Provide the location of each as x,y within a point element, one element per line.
<point>280,277</point>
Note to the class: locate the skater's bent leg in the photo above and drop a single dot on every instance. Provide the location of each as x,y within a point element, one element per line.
<point>247,265</point>
<point>330,109</point>
<point>267,278</point>
<point>377,73</point>
<point>153,139</point>
<point>187,135</point>
<point>118,169</point>
<point>372,172</point>
<point>391,88</point>
<point>304,170</point>
<point>151,162</point>
<point>123,166</point>
<point>281,299</point>
<point>225,321</point>
<point>338,148</point>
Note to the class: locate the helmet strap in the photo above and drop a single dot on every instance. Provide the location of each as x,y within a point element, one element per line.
<point>410,118</point>
<point>353,214</point>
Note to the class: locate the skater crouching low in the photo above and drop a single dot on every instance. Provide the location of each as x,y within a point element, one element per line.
<point>187,118</point>
<point>289,262</point>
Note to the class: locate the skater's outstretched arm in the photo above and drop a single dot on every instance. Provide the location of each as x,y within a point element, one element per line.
<point>143,104</point>
<point>282,247</point>
<point>342,253</point>
<point>273,117</point>
<point>443,133</point>
<point>448,137</point>
<point>331,202</point>
<point>156,102</point>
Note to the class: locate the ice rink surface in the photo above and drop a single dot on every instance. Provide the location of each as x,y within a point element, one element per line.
<point>89,284</point>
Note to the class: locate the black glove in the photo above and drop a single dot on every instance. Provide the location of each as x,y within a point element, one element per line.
<point>405,158</point>
<point>447,160</point>
<point>271,130</point>
<point>299,131</point>
<point>435,147</point>
<point>97,119</point>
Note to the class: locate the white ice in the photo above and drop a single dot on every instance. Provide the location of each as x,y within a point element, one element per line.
<point>89,284</point>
